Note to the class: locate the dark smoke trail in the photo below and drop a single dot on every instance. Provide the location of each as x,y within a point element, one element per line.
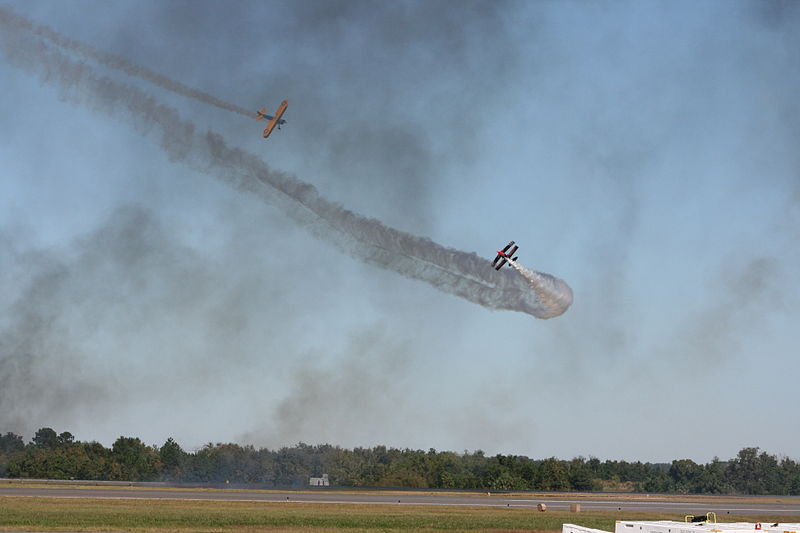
<point>117,63</point>
<point>459,273</point>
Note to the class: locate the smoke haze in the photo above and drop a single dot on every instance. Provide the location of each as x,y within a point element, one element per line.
<point>450,270</point>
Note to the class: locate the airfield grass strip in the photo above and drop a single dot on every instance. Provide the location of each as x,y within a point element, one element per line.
<point>161,515</point>
<point>82,514</point>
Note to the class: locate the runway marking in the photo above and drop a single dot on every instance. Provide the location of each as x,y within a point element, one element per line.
<point>487,504</point>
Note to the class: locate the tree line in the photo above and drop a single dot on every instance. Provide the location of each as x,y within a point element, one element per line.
<point>52,455</point>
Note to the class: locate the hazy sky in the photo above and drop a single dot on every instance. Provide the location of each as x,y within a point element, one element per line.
<point>645,152</point>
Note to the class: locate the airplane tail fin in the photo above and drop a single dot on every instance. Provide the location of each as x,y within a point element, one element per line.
<point>261,113</point>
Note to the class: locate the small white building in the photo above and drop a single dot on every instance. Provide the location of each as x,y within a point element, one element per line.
<point>319,481</point>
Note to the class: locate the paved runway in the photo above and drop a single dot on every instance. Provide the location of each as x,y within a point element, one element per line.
<point>721,506</point>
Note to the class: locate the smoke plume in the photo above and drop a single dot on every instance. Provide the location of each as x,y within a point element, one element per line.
<point>462,274</point>
<point>552,292</point>
<point>117,63</point>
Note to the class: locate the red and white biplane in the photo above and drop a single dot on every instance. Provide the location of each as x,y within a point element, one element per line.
<point>504,256</point>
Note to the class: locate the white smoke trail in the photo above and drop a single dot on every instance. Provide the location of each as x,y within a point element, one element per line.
<point>553,293</point>
<point>459,273</point>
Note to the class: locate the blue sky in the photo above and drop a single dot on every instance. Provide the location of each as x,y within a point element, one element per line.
<point>645,152</point>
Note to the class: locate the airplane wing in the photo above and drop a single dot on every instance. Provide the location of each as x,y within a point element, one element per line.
<point>513,250</point>
<point>269,128</point>
<point>501,264</point>
<point>280,111</point>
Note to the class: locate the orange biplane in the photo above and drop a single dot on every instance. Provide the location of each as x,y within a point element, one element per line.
<point>273,120</point>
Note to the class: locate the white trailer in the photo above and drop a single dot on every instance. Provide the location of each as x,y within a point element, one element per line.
<point>669,526</point>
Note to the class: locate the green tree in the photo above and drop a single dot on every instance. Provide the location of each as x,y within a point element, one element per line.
<point>136,461</point>
<point>10,443</point>
<point>45,438</point>
<point>173,459</point>
<point>686,475</point>
<point>792,473</point>
<point>552,475</point>
<point>712,480</point>
<point>658,481</point>
<point>65,439</point>
<point>581,476</point>
<point>754,473</point>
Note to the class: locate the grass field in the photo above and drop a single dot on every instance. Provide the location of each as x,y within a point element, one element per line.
<point>67,514</point>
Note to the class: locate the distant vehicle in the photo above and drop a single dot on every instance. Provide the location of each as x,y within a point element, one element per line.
<point>504,256</point>
<point>276,120</point>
